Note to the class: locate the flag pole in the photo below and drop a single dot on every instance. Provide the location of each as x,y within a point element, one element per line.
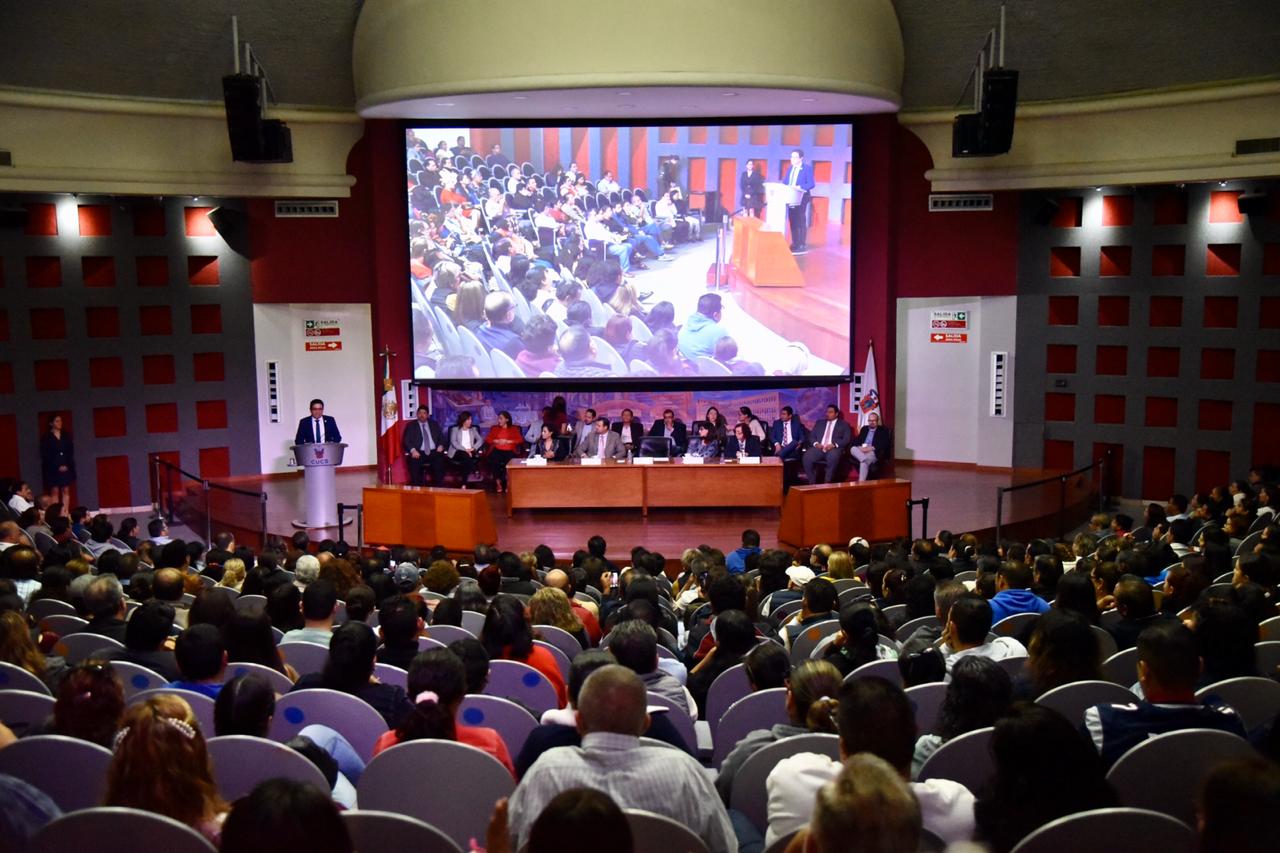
<point>390,414</point>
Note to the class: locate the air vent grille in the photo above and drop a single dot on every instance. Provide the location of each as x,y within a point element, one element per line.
<point>959,202</point>
<point>306,209</point>
<point>1270,145</point>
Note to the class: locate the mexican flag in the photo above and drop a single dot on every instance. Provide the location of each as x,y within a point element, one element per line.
<point>389,438</point>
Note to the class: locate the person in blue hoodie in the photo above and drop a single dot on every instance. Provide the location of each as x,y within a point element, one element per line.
<point>703,329</point>
<point>736,562</point>
<point>1013,593</point>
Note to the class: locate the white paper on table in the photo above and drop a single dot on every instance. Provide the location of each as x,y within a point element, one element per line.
<point>749,460</point>
<point>592,460</point>
<point>693,460</point>
<point>536,462</point>
<point>642,460</point>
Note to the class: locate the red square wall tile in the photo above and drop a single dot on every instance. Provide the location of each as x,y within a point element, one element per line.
<point>155,320</point>
<point>1069,214</point>
<point>1271,258</point>
<point>1158,469</point>
<point>158,370</point>
<point>1269,312</point>
<point>1059,455</point>
<point>208,367</point>
<point>52,374</point>
<point>153,270</point>
<point>44,271</point>
<point>1111,361</point>
<point>1059,406</point>
<point>1170,208</point>
<point>162,417</point>
<point>106,372</point>
<point>729,134</point>
<point>1065,310</point>
<point>1166,312</point>
<point>102,321</point>
<point>1060,358</point>
<point>202,270</point>
<point>1117,210</point>
<point>1266,439</point>
<point>1268,369</point>
<point>211,414</point>
<point>824,135</point>
<point>95,220</point>
<point>1115,261</point>
<point>822,171</point>
<point>1220,312</point>
<point>759,134</point>
<point>1224,206</point>
<point>215,462</point>
<point>1169,260</point>
<point>206,319</point>
<point>110,422</point>
<point>6,377</point>
<point>1215,414</point>
<point>98,272</point>
<point>667,135</point>
<point>1213,468</point>
<point>197,222</point>
<point>1162,412</point>
<point>1222,259</point>
<point>1217,363</point>
<point>148,221</point>
<point>113,481</point>
<point>48,324</point>
<point>42,220</point>
<point>1162,361</point>
<point>1108,409</point>
<point>1113,310</point>
<point>1064,261</point>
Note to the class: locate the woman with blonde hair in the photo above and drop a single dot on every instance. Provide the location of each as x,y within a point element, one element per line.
<point>470,306</point>
<point>626,302</point>
<point>232,574</point>
<point>550,606</point>
<point>839,565</point>
<point>17,648</point>
<point>161,765</point>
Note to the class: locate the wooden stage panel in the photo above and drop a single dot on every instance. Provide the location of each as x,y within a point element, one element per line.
<point>836,512</point>
<point>721,484</point>
<point>570,484</point>
<point>424,517</point>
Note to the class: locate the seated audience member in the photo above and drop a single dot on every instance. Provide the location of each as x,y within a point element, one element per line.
<point>244,706</point>
<point>1063,649</point>
<point>90,703</point>
<point>507,635</point>
<point>213,607</point>
<point>168,588</point>
<point>611,759</point>
<point>160,764</point>
<point>475,661</point>
<point>202,660</point>
<point>1168,669</point>
<point>550,606</point>
<point>1013,592</point>
<point>978,694</point>
<point>702,330</point>
<point>1027,791</point>
<point>634,644</point>
<point>874,717</point>
<point>574,821</point>
<point>578,354</point>
<point>767,666</point>
<point>1226,637</point>
<point>361,602</point>
<point>104,599</point>
<point>281,814</point>
<point>1075,594</point>
<point>437,685</point>
<point>537,353</point>
<point>811,708</point>
<point>1238,805</point>
<point>734,636</point>
<point>349,669</point>
<point>1137,605</point>
<point>563,581</point>
<point>305,570</point>
<point>399,625</point>
<point>249,639</point>
<point>736,561</point>
<point>820,600</point>
<point>559,727</point>
<point>147,640</point>
<point>18,648</point>
<point>966,633</point>
<point>858,641</point>
<point>869,804</point>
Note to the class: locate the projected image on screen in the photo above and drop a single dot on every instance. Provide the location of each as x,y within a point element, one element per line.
<point>577,253</point>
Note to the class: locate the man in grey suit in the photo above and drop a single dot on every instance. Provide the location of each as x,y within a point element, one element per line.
<point>585,428</point>
<point>831,438</point>
<point>604,443</point>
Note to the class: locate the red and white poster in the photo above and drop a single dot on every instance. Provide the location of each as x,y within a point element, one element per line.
<point>948,327</point>
<point>324,346</point>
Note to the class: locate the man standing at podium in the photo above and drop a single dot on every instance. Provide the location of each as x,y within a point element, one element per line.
<point>319,428</point>
<point>423,444</point>
<point>799,174</point>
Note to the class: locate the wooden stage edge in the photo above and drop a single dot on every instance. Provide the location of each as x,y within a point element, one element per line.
<point>962,500</point>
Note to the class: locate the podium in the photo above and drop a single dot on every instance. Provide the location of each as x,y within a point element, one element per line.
<point>777,198</point>
<point>422,517</point>
<point>836,512</point>
<point>761,255</point>
<point>319,463</point>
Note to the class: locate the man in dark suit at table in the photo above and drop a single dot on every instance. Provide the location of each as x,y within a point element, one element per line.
<point>424,446</point>
<point>788,435</point>
<point>673,429</point>
<point>603,443</point>
<point>830,440</point>
<point>799,174</point>
<point>629,430</point>
<point>871,446</point>
<point>319,428</point>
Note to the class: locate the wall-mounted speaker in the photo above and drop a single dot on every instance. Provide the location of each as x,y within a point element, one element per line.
<point>233,226</point>
<point>253,138</point>
<point>1252,204</point>
<point>989,131</point>
<point>1045,210</point>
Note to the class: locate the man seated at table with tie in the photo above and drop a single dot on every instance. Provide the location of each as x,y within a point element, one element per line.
<point>424,445</point>
<point>603,443</point>
<point>788,435</point>
<point>871,446</point>
<point>319,428</point>
<point>673,429</point>
<point>830,438</point>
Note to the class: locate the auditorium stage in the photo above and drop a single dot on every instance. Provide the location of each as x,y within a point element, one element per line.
<point>962,499</point>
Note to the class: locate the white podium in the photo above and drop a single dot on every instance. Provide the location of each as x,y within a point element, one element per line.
<point>319,462</point>
<point>777,198</point>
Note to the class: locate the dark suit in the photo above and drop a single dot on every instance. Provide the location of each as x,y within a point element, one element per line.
<point>751,190</point>
<point>731,447</point>
<point>880,444</point>
<point>679,435</point>
<point>841,437</point>
<point>411,439</point>
<point>798,214</point>
<point>636,433</point>
<point>782,449</point>
<point>306,431</point>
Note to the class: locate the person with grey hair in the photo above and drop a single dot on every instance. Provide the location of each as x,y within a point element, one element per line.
<point>499,332</point>
<point>305,570</point>
<point>611,717</point>
<point>104,601</point>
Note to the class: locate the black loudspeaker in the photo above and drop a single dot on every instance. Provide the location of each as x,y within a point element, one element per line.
<point>1252,204</point>
<point>253,139</point>
<point>233,226</point>
<point>966,136</point>
<point>1045,211</point>
<point>999,103</point>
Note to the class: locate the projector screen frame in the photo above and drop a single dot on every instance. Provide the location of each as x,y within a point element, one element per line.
<point>672,383</point>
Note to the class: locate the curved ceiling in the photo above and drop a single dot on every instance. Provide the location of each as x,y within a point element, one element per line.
<point>1081,48</point>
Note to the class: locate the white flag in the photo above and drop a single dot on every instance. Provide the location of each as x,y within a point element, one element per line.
<point>870,401</point>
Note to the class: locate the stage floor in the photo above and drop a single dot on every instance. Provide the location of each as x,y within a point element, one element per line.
<point>962,500</point>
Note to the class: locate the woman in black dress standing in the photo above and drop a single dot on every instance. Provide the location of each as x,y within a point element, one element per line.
<point>57,461</point>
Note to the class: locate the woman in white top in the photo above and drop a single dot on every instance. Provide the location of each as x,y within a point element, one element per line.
<point>464,445</point>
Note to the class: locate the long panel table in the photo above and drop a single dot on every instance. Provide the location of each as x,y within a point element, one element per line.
<point>572,485</point>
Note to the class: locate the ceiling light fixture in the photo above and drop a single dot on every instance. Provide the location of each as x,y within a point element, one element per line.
<point>728,94</point>
<point>520,97</point>
<point>808,100</point>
